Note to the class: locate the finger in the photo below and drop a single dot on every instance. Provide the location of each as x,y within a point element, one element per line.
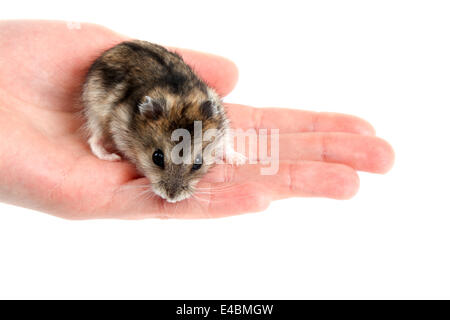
<point>365,153</point>
<point>218,72</point>
<point>291,121</point>
<point>292,179</point>
<point>246,190</point>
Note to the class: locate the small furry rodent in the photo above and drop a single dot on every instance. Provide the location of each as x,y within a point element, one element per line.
<point>135,95</point>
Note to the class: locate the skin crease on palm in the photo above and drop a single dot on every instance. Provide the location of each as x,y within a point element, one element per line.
<point>46,164</point>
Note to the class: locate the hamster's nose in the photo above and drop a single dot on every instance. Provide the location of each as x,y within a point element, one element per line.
<point>172,191</point>
<point>172,188</point>
<point>171,194</point>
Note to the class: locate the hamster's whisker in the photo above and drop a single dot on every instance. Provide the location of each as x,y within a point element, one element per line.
<point>209,200</point>
<point>218,187</point>
<point>128,187</point>
<point>146,195</point>
<point>216,190</point>
<point>197,198</point>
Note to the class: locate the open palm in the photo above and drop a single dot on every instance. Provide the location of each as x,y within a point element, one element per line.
<point>46,164</point>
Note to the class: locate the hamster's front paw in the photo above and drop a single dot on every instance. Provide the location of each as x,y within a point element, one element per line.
<point>99,150</point>
<point>234,157</point>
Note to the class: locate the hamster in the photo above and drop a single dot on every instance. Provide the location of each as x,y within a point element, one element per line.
<point>135,96</point>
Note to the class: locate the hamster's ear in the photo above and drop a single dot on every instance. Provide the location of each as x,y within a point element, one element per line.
<point>208,109</point>
<point>151,108</point>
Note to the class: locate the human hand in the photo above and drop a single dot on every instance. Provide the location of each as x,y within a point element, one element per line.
<point>46,164</point>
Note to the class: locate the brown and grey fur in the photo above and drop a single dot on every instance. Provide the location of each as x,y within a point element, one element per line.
<point>118,83</point>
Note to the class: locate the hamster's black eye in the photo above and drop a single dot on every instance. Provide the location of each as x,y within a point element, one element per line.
<point>158,158</point>
<point>197,163</point>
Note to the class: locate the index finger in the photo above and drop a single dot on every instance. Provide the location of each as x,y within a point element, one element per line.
<point>294,121</point>
<point>218,72</point>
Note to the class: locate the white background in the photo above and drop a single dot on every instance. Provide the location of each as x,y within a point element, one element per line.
<point>385,61</point>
